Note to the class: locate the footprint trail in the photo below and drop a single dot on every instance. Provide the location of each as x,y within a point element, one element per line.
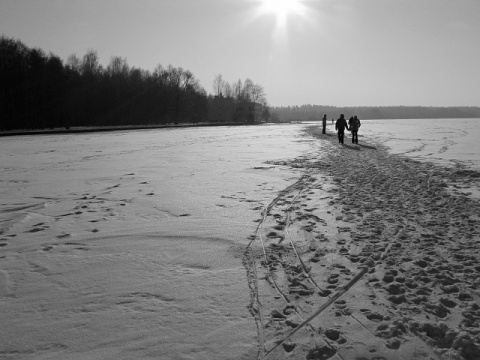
<point>367,256</point>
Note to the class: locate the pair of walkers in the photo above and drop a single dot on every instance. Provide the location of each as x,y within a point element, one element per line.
<point>341,125</point>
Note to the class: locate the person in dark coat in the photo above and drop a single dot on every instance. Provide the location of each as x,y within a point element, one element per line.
<point>340,126</point>
<point>324,123</point>
<point>354,123</point>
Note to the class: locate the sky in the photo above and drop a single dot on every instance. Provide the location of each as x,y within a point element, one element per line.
<point>323,52</point>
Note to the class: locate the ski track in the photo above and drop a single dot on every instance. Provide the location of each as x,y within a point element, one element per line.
<point>380,241</point>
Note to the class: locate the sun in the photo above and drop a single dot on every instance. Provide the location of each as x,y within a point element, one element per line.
<point>281,9</point>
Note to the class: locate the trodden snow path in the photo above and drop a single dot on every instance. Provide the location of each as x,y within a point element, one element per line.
<point>367,256</point>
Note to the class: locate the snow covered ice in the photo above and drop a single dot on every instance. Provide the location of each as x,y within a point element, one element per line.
<point>218,243</point>
<point>128,244</point>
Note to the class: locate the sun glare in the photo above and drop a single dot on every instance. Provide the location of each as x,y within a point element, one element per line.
<point>281,9</point>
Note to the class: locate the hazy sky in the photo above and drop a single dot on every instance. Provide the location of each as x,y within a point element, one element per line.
<point>329,52</point>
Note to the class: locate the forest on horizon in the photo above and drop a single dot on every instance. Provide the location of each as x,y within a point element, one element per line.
<point>39,91</point>
<point>316,112</point>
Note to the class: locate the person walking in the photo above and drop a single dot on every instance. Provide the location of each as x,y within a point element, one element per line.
<point>324,123</point>
<point>340,126</point>
<point>355,124</point>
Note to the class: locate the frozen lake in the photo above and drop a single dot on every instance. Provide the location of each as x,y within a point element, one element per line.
<point>445,141</point>
<point>194,180</point>
<point>128,244</point>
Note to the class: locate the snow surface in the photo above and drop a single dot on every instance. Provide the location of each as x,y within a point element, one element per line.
<point>443,141</point>
<point>129,244</point>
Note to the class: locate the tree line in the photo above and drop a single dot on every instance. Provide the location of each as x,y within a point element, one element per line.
<point>316,112</point>
<point>39,91</point>
<point>241,91</point>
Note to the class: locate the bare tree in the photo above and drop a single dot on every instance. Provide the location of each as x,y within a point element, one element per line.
<point>118,66</point>
<point>241,91</point>
<point>227,90</point>
<point>90,64</point>
<point>247,90</point>
<point>218,85</point>
<point>237,89</point>
<point>257,94</point>
<point>188,81</point>
<point>74,63</point>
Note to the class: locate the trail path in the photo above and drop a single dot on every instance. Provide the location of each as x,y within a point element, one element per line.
<point>367,256</point>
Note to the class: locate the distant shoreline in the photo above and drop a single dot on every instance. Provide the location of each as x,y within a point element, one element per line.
<point>311,112</point>
<point>87,129</point>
